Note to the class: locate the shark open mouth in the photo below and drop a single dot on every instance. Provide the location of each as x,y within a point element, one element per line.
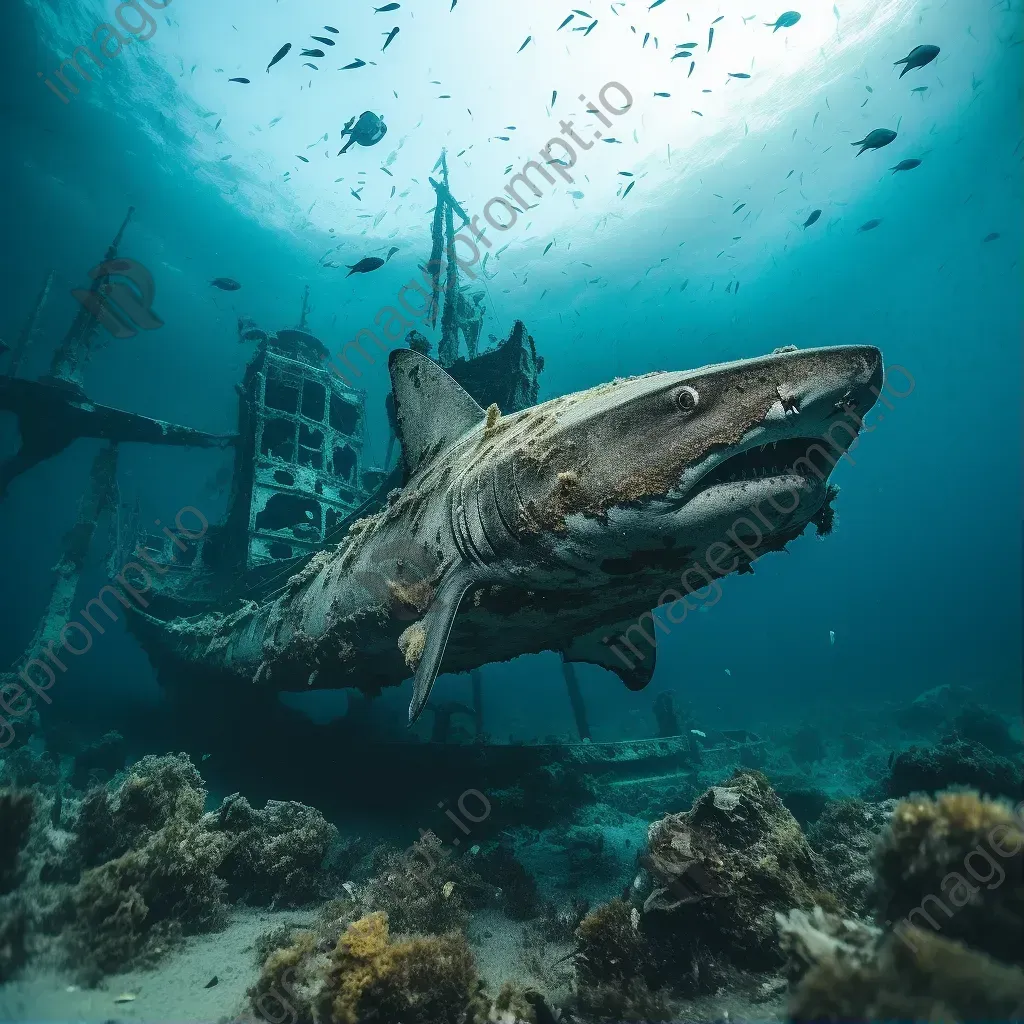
<point>796,455</point>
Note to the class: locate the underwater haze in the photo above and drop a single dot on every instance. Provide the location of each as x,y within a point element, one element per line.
<point>214,805</point>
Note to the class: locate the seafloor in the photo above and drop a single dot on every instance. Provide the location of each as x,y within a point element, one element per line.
<point>864,867</point>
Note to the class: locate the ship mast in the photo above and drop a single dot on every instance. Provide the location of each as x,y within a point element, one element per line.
<point>74,349</point>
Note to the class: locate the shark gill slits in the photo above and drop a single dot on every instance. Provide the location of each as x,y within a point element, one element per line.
<point>687,399</point>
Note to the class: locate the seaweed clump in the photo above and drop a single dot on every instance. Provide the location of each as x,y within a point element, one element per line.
<point>276,854</point>
<point>421,889</point>
<point>619,972</point>
<point>368,976</point>
<point>955,863</point>
<point>160,880</point>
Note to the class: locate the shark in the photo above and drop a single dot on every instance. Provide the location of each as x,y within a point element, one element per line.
<point>562,528</point>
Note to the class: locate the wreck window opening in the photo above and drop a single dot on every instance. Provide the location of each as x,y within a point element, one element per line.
<point>302,516</point>
<point>188,556</point>
<point>281,390</point>
<point>281,477</point>
<point>313,400</point>
<point>332,519</point>
<point>344,415</point>
<point>344,463</point>
<point>279,439</point>
<point>311,447</point>
<point>279,550</point>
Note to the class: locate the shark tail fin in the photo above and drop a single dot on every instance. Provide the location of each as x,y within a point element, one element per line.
<point>437,625</point>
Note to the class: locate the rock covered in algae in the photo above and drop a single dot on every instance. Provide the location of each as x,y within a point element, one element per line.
<point>852,974</point>
<point>721,870</point>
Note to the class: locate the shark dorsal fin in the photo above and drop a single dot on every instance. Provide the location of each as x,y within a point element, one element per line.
<point>431,410</point>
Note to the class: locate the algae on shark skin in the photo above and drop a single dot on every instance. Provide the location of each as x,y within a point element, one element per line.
<point>412,643</point>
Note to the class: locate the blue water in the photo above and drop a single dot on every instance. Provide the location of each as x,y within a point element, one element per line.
<point>921,580</point>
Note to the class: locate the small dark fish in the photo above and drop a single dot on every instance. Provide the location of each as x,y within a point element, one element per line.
<point>991,237</point>
<point>711,38</point>
<point>357,63</point>
<point>787,20</point>
<point>905,165</point>
<point>869,225</point>
<point>218,124</point>
<point>738,208</point>
<point>590,28</point>
<point>391,35</point>
<point>738,74</point>
<point>685,46</point>
<point>331,28</point>
<point>312,53</point>
<point>892,757</point>
<point>302,158</point>
<point>386,7</point>
<point>244,81</point>
<point>211,982</point>
<point>525,43</point>
<point>693,64</point>
<point>812,218</point>
<point>365,265</point>
<point>681,53</point>
<point>875,139</point>
<point>628,187</point>
<point>718,19</point>
<point>225,284</point>
<point>920,88</point>
<point>323,39</point>
<point>697,112</point>
<point>564,23</point>
<point>664,95</point>
<point>657,3</point>
<point>313,66</point>
<point>391,252</point>
<point>554,96</point>
<point>917,58</point>
<point>279,55</point>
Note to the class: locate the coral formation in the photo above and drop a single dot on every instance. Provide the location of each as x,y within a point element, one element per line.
<point>953,762</point>
<point>955,862</point>
<point>276,855</point>
<point>845,836</point>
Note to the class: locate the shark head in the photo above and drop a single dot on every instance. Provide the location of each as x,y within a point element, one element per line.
<point>634,473</point>
<point>617,489</point>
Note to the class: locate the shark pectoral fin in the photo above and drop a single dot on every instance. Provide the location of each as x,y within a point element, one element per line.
<point>607,647</point>
<point>432,410</point>
<point>437,625</point>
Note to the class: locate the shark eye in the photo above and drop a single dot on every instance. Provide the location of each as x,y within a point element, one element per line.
<point>687,399</point>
